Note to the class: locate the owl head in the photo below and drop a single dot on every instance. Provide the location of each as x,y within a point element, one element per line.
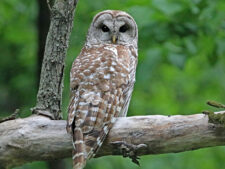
<point>113,27</point>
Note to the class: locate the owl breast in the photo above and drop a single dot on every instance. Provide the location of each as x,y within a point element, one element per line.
<point>104,68</point>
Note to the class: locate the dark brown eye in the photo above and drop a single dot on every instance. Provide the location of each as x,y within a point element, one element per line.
<point>105,28</point>
<point>123,28</point>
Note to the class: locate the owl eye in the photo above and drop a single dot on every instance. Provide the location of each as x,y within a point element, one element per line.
<point>105,28</point>
<point>123,28</point>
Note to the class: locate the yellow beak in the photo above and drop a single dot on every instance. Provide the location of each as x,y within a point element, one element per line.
<point>114,39</point>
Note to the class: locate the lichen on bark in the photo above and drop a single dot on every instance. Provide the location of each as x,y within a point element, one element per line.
<point>216,118</point>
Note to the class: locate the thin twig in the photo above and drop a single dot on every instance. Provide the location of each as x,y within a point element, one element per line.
<point>215,104</point>
<point>11,117</point>
<point>49,6</point>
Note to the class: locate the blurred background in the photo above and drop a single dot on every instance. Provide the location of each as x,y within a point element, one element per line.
<point>181,66</point>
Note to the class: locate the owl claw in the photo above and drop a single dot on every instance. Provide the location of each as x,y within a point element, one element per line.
<point>129,150</point>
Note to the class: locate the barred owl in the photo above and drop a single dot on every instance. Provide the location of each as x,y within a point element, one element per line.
<point>101,82</point>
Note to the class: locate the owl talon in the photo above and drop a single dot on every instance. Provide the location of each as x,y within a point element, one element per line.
<point>129,150</point>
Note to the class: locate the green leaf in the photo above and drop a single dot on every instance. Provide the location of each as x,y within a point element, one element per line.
<point>177,59</point>
<point>167,7</point>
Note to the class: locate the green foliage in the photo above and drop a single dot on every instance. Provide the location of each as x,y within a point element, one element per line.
<point>181,65</point>
<point>18,41</point>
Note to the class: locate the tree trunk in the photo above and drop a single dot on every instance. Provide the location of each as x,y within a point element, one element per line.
<point>49,97</point>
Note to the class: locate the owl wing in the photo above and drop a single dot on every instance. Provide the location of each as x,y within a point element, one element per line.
<point>127,91</point>
<point>72,109</point>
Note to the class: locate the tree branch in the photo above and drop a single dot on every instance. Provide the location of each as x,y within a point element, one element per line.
<point>51,81</point>
<point>39,138</point>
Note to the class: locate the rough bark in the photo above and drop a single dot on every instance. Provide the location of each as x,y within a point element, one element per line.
<point>39,138</point>
<point>51,81</point>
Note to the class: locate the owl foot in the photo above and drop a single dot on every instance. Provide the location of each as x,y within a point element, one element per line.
<point>129,150</point>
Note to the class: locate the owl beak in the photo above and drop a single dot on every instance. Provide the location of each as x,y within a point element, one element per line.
<point>114,39</point>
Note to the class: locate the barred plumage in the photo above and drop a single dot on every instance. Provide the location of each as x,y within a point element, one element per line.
<point>101,81</point>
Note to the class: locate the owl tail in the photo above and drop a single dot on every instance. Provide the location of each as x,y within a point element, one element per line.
<point>79,160</point>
